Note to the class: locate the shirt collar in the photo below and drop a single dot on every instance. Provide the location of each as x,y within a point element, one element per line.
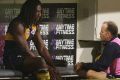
<point>106,42</point>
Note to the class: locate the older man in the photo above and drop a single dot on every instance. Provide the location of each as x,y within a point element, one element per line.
<point>109,62</point>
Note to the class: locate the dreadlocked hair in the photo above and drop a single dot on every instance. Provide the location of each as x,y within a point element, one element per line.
<point>28,11</point>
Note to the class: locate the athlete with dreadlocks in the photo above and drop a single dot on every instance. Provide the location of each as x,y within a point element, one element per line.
<point>21,30</point>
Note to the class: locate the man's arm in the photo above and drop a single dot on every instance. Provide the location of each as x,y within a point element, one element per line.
<point>41,48</point>
<point>109,54</point>
<point>18,34</point>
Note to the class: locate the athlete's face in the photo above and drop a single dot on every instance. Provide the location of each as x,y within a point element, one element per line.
<point>38,12</point>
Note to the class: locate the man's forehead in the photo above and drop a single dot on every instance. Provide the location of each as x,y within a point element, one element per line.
<point>104,25</point>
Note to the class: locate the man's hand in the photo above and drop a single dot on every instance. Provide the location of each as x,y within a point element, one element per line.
<point>77,67</point>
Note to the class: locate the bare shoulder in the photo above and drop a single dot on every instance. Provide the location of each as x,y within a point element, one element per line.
<point>16,26</point>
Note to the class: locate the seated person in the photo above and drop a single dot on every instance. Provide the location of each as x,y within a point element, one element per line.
<point>24,29</point>
<point>109,62</point>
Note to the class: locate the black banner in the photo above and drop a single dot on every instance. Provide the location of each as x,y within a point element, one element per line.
<point>58,28</point>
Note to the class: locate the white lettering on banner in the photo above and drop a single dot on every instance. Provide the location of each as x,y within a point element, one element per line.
<point>10,13</point>
<point>65,29</point>
<point>64,44</point>
<point>32,46</point>
<point>44,29</point>
<point>66,13</point>
<point>68,58</point>
<point>45,13</point>
<point>6,28</point>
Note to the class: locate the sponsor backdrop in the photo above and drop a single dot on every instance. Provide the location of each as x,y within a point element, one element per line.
<point>58,28</point>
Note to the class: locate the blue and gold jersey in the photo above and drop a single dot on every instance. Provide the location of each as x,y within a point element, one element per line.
<point>28,36</point>
<point>29,32</point>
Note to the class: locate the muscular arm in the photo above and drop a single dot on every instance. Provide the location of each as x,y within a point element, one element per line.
<point>41,48</point>
<point>18,33</point>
